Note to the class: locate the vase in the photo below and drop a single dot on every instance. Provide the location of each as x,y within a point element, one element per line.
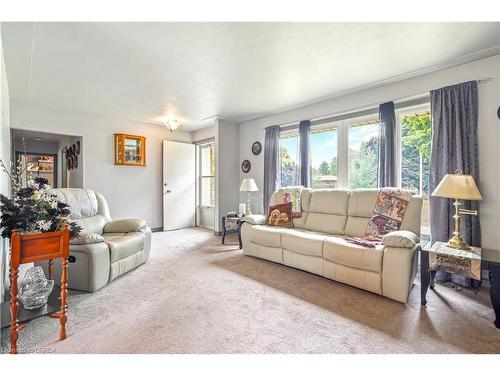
<point>35,289</point>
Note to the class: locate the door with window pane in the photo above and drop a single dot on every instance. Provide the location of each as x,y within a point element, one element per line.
<point>363,142</point>
<point>206,184</point>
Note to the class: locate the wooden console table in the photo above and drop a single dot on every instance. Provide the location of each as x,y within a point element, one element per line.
<point>37,247</point>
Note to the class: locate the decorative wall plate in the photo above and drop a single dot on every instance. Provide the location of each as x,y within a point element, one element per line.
<point>498,112</point>
<point>256,148</point>
<point>246,166</point>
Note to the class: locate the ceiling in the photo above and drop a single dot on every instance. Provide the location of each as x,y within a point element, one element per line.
<point>192,71</point>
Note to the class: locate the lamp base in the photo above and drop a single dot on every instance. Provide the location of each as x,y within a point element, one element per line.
<point>456,242</point>
<point>249,210</point>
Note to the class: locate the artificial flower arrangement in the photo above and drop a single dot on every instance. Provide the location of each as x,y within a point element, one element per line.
<point>33,208</point>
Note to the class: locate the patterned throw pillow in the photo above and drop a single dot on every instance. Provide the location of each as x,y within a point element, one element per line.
<point>280,215</point>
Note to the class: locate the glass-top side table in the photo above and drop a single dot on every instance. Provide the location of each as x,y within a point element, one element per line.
<point>466,263</point>
<point>231,224</point>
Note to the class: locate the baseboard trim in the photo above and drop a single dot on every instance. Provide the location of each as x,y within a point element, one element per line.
<point>160,229</point>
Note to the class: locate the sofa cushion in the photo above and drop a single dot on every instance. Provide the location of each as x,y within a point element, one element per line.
<point>303,242</point>
<point>360,210</point>
<point>327,211</point>
<point>355,226</point>
<point>88,208</point>
<point>266,236</point>
<point>338,250</point>
<point>122,245</point>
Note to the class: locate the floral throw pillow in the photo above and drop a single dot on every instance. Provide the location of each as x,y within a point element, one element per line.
<point>280,215</point>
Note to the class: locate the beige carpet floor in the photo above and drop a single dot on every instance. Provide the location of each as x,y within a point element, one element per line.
<point>197,296</point>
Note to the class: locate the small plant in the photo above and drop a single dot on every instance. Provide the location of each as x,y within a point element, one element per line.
<point>32,207</point>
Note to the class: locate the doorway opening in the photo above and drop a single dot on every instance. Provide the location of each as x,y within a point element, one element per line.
<point>56,157</point>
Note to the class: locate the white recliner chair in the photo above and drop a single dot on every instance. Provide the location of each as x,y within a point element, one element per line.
<point>106,248</point>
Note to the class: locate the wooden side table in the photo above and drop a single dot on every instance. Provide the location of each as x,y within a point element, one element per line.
<point>238,223</point>
<point>36,247</point>
<point>488,260</point>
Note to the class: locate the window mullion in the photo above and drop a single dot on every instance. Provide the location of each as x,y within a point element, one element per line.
<point>343,157</point>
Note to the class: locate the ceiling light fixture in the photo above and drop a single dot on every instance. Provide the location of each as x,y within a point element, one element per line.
<point>172,124</point>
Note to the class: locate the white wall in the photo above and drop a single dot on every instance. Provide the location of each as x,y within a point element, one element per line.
<point>203,133</point>
<point>489,128</point>
<point>130,191</point>
<point>74,176</point>
<point>227,181</point>
<point>5,152</point>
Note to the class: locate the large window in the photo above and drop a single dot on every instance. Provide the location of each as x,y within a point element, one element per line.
<point>289,159</point>
<point>324,162</point>
<point>363,154</point>
<point>415,145</point>
<point>344,154</point>
<point>207,174</point>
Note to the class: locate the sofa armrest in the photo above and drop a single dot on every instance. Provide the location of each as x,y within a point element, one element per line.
<point>86,239</point>
<point>124,226</point>
<point>400,238</point>
<point>255,219</point>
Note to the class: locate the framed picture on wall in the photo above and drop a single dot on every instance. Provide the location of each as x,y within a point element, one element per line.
<point>256,148</point>
<point>246,166</point>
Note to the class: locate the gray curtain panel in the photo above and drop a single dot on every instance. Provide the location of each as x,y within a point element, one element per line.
<point>387,146</point>
<point>271,163</point>
<point>304,152</point>
<point>454,147</point>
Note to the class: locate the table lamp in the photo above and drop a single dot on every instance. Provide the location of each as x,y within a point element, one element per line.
<point>458,186</point>
<point>248,185</point>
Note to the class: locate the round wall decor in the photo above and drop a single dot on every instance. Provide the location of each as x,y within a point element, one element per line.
<point>498,112</point>
<point>256,148</point>
<point>246,166</point>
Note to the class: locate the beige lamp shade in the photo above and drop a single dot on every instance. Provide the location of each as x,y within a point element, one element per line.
<point>248,184</point>
<point>458,186</point>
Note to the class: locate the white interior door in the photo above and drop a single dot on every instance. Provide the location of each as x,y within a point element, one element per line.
<point>179,176</point>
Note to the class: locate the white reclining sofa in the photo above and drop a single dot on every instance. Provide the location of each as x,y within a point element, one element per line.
<point>317,242</point>
<point>106,248</point>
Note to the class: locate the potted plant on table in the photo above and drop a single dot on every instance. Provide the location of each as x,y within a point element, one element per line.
<point>39,228</point>
<point>33,208</point>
